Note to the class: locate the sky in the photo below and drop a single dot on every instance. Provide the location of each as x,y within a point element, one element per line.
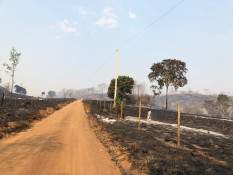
<point>72,43</point>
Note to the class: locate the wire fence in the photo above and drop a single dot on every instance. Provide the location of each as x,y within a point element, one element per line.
<point>103,107</point>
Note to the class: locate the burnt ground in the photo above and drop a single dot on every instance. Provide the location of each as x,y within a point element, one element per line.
<point>16,115</point>
<point>153,150</point>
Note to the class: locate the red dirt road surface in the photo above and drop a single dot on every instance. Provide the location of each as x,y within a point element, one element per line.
<point>61,144</point>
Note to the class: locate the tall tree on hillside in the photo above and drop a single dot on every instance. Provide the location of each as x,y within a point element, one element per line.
<point>223,101</point>
<point>169,72</point>
<point>124,87</point>
<point>14,59</point>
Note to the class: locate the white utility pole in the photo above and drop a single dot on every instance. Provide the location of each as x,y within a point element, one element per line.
<point>114,105</point>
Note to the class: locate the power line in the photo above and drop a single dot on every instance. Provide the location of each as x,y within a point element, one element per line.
<point>102,65</point>
<point>155,21</point>
<point>139,33</point>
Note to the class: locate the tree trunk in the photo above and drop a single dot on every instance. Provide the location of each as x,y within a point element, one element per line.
<point>166,97</point>
<point>12,82</point>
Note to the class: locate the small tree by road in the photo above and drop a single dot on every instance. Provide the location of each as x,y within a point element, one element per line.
<point>169,72</point>
<point>14,59</point>
<point>124,87</point>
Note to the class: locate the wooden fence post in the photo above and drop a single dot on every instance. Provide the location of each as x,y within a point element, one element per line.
<point>140,105</point>
<point>178,132</point>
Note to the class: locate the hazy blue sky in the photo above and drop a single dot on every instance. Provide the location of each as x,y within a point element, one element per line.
<point>64,43</point>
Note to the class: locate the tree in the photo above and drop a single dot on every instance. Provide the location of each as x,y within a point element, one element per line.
<point>70,93</point>
<point>222,101</point>
<point>212,108</point>
<point>14,59</point>
<point>156,91</point>
<point>139,89</point>
<point>43,94</point>
<point>169,72</point>
<point>65,92</point>
<point>51,94</point>
<point>102,87</point>
<point>20,90</point>
<point>124,87</point>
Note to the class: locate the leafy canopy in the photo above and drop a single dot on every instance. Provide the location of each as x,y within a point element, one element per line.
<point>52,94</point>
<point>20,90</point>
<point>124,87</point>
<point>223,100</point>
<point>169,72</point>
<point>14,59</point>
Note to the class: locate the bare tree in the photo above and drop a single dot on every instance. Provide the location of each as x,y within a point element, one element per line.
<point>102,88</point>
<point>14,59</point>
<point>139,89</point>
<point>65,92</point>
<point>71,93</point>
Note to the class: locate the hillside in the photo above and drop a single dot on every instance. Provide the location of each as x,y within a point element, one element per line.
<point>184,99</point>
<point>8,94</point>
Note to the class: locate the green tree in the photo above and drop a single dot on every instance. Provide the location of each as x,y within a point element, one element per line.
<point>51,94</point>
<point>14,59</point>
<point>20,90</point>
<point>43,94</point>
<point>124,87</point>
<point>169,72</point>
<point>223,101</point>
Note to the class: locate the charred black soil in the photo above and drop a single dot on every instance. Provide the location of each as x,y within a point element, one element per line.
<point>153,149</point>
<point>16,115</point>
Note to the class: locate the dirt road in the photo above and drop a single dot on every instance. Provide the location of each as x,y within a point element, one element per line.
<point>61,144</point>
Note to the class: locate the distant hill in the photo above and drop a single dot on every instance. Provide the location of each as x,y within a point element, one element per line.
<point>184,99</point>
<point>190,102</point>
